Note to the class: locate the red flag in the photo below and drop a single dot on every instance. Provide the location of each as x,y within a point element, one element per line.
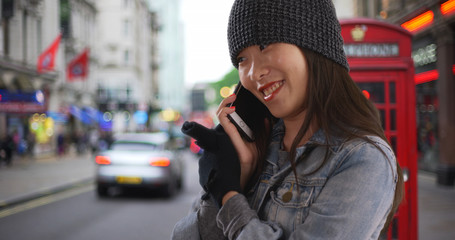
<point>46,61</point>
<point>78,67</point>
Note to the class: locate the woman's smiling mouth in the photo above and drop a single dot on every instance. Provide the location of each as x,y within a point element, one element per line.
<point>271,89</point>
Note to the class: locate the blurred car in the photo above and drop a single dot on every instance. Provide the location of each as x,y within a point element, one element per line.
<point>139,160</point>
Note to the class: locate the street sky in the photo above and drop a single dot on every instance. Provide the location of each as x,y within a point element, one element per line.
<point>206,49</point>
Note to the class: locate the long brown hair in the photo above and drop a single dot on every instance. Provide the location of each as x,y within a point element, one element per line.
<point>338,106</point>
<point>340,109</point>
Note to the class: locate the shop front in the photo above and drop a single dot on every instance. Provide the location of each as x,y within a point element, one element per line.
<point>24,102</point>
<point>432,26</point>
<point>424,51</point>
<point>23,117</point>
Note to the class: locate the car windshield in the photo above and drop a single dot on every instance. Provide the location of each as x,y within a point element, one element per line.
<point>133,146</point>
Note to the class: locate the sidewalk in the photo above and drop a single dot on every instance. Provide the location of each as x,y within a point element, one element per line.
<point>30,178</point>
<point>436,209</point>
<point>27,179</point>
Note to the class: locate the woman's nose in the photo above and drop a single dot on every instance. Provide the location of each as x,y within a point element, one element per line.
<point>258,70</point>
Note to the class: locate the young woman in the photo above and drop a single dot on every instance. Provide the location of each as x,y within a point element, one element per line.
<point>320,166</point>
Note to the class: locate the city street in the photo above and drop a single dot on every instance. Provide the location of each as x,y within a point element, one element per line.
<point>84,216</point>
<point>78,213</point>
<point>55,199</point>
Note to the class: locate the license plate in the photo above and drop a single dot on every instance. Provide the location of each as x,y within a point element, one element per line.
<point>129,180</point>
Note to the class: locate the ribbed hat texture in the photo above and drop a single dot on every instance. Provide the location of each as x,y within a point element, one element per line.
<point>310,24</point>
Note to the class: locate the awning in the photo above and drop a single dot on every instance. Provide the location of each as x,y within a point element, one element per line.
<point>90,116</point>
<point>80,114</point>
<point>97,116</point>
<point>94,114</point>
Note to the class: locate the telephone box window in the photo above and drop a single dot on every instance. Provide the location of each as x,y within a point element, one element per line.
<point>375,89</point>
<point>382,116</point>
<point>392,97</point>
<point>393,142</point>
<point>393,120</point>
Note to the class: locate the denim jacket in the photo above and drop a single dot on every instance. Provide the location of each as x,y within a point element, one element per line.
<point>348,197</point>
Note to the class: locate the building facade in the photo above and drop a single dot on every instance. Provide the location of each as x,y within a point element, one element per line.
<point>27,28</point>
<point>432,24</point>
<point>172,94</point>
<point>44,105</point>
<point>108,86</point>
<point>126,83</point>
<point>70,97</point>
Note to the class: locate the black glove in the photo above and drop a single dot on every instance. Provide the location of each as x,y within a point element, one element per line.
<point>219,166</point>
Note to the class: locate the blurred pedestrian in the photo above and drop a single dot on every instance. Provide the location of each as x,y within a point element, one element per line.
<point>93,140</point>
<point>109,139</point>
<point>60,144</point>
<point>105,141</point>
<point>16,138</point>
<point>31,141</point>
<point>7,147</point>
<point>320,165</point>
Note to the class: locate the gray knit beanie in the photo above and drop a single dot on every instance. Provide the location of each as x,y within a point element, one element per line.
<point>310,24</point>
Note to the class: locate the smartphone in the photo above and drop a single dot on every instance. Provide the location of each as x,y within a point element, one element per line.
<point>249,111</point>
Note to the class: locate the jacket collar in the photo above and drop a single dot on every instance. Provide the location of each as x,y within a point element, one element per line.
<point>318,138</point>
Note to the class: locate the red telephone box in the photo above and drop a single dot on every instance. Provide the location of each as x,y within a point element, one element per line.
<point>379,56</point>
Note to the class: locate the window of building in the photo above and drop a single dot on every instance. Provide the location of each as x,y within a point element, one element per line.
<point>126,57</point>
<point>102,94</point>
<point>126,28</point>
<point>24,36</point>
<point>65,14</point>
<point>121,95</point>
<point>128,93</point>
<point>39,36</point>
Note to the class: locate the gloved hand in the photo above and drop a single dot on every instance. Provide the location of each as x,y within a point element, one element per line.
<point>219,166</point>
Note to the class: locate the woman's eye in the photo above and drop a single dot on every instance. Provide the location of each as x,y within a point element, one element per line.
<point>262,46</point>
<point>240,59</point>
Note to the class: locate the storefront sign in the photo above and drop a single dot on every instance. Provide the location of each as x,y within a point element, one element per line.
<point>58,117</point>
<point>21,107</point>
<point>424,55</point>
<point>34,97</point>
<point>372,50</point>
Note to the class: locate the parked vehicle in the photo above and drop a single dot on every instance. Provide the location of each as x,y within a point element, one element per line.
<point>139,160</point>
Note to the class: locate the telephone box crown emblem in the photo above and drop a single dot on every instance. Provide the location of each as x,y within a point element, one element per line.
<point>358,33</point>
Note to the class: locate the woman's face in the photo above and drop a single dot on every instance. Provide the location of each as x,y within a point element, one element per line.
<point>277,75</point>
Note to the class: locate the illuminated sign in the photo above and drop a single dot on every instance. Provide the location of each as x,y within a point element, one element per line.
<point>34,97</point>
<point>448,7</point>
<point>419,22</point>
<point>424,55</point>
<point>425,19</point>
<point>371,50</point>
